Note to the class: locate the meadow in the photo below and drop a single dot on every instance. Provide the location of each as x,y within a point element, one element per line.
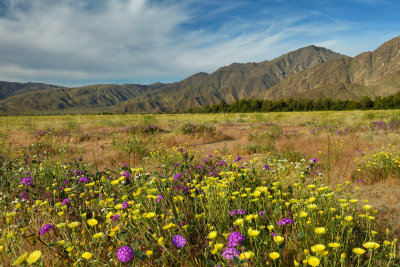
<point>256,189</point>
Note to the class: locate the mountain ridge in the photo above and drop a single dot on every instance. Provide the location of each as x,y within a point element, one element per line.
<point>308,72</point>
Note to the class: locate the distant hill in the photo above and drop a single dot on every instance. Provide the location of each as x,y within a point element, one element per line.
<point>309,72</point>
<point>370,74</point>
<point>8,89</point>
<point>97,97</point>
<point>236,81</point>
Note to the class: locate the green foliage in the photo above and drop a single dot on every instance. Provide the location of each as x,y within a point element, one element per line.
<point>197,129</point>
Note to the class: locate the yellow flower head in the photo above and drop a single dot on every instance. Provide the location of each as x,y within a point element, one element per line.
<point>149,252</point>
<point>334,245</point>
<point>87,255</point>
<point>253,233</point>
<point>73,225</point>
<point>320,230</point>
<point>20,259</point>
<point>212,235</point>
<point>274,255</point>
<point>371,245</point>
<point>278,239</point>
<point>92,222</point>
<point>238,222</point>
<point>318,248</point>
<point>97,235</point>
<point>358,251</point>
<point>313,261</point>
<point>247,255</point>
<point>33,257</point>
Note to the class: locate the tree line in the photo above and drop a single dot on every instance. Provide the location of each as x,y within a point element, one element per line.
<point>291,104</point>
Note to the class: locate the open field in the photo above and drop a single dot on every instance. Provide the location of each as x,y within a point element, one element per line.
<point>194,190</point>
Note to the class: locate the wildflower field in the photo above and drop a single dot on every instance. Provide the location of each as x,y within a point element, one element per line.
<point>262,189</point>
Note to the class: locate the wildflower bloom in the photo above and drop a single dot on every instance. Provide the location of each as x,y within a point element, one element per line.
<point>318,248</point>
<point>212,235</point>
<point>73,225</point>
<point>320,230</point>
<point>229,253</point>
<point>266,167</point>
<point>160,197</point>
<point>46,228</point>
<point>20,259</point>
<point>235,239</point>
<point>66,201</point>
<point>274,255</point>
<point>313,261</point>
<point>285,221</point>
<point>33,257</point>
<point>125,254</point>
<point>84,179</point>
<point>115,217</point>
<point>371,245</point>
<point>334,245</point>
<point>253,233</point>
<point>358,251</point>
<point>27,181</point>
<point>241,212</point>
<point>92,222</point>
<point>278,239</point>
<point>87,255</point>
<point>97,235</point>
<point>178,241</point>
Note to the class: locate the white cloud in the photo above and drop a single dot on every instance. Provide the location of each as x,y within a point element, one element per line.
<point>138,40</point>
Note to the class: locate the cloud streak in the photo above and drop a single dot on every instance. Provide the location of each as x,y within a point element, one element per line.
<point>73,43</point>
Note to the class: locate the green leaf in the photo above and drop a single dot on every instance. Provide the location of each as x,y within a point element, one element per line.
<point>236,260</point>
<point>300,235</point>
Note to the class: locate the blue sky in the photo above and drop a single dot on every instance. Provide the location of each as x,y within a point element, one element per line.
<point>78,42</point>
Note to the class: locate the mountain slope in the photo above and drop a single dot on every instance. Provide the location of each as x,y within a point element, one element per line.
<point>8,89</point>
<point>373,74</point>
<point>98,97</point>
<point>236,81</point>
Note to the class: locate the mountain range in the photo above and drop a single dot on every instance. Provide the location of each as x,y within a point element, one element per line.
<point>309,72</point>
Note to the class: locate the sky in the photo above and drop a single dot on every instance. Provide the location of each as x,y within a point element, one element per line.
<point>79,42</point>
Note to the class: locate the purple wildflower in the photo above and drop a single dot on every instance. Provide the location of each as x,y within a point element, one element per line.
<point>177,176</point>
<point>229,253</point>
<point>361,181</point>
<point>266,167</point>
<point>273,234</point>
<point>240,212</point>
<point>160,197</point>
<point>78,172</point>
<point>232,213</point>
<point>125,205</point>
<point>235,239</point>
<point>46,228</point>
<point>84,179</point>
<point>115,217</point>
<point>238,158</point>
<point>24,195</point>
<point>27,181</point>
<point>178,241</point>
<point>198,167</point>
<point>314,160</point>
<point>66,201</point>
<point>126,174</point>
<point>262,213</point>
<point>285,221</point>
<point>125,254</point>
<point>177,165</point>
<point>220,163</point>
